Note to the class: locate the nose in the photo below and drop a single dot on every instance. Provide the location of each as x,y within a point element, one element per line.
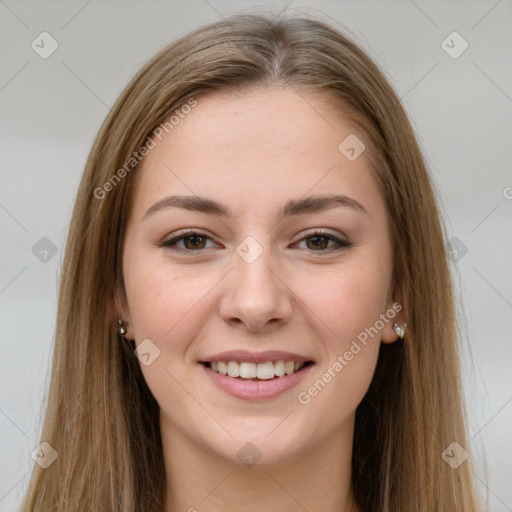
<point>256,295</point>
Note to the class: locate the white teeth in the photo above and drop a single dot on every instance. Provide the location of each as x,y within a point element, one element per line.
<point>264,371</point>
<point>279,368</point>
<point>223,368</point>
<point>233,369</point>
<point>248,370</point>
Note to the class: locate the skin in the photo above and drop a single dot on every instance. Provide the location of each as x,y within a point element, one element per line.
<point>253,152</point>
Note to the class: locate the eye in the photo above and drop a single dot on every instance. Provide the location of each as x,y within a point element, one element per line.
<point>193,241</point>
<point>318,241</point>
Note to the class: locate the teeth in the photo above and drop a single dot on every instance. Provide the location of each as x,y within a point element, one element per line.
<point>247,370</point>
<point>223,368</point>
<point>264,371</point>
<point>279,368</point>
<point>233,369</point>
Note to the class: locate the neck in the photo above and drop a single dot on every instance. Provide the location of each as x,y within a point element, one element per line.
<point>198,480</point>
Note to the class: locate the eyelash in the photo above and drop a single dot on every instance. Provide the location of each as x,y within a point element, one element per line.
<point>171,243</point>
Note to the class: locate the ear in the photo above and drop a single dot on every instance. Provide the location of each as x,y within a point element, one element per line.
<point>120,310</point>
<point>395,313</point>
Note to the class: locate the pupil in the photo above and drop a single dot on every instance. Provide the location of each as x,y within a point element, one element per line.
<point>317,238</point>
<point>194,239</point>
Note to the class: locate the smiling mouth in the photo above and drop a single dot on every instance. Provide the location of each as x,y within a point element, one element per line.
<point>268,370</point>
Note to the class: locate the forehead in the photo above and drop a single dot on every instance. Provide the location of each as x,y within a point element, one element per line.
<point>257,148</point>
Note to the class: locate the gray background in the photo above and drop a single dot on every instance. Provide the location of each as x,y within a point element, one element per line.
<point>51,109</point>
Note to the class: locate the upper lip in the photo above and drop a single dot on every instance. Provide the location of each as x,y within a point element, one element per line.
<point>255,357</point>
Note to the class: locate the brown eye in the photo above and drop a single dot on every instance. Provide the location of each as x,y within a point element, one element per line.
<point>319,241</point>
<point>194,242</point>
<point>191,242</point>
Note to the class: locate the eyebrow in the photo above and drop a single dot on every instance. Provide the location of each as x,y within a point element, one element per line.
<point>292,207</point>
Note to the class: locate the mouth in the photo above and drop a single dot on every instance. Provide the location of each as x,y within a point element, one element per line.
<point>251,371</point>
<point>256,376</point>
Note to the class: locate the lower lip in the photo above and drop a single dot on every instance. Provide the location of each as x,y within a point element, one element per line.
<point>256,389</point>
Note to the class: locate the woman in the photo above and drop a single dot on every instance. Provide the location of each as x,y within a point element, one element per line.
<point>256,308</point>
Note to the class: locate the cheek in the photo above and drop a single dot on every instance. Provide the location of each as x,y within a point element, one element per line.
<point>167,307</point>
<point>348,304</point>
<point>337,389</point>
<point>165,303</point>
<point>346,309</point>
<point>348,299</point>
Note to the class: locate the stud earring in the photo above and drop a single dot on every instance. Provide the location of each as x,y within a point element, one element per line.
<point>399,330</point>
<point>122,327</point>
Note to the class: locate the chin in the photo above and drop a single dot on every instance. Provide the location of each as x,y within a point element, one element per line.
<point>260,446</point>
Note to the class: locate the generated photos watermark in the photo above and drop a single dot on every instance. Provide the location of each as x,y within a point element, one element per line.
<point>151,143</point>
<point>304,397</point>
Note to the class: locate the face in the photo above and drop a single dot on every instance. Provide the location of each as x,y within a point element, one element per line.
<point>256,279</point>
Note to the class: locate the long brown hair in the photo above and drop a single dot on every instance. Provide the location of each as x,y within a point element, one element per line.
<point>101,417</point>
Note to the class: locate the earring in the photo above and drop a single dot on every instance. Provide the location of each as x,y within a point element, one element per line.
<point>122,327</point>
<point>399,330</point>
